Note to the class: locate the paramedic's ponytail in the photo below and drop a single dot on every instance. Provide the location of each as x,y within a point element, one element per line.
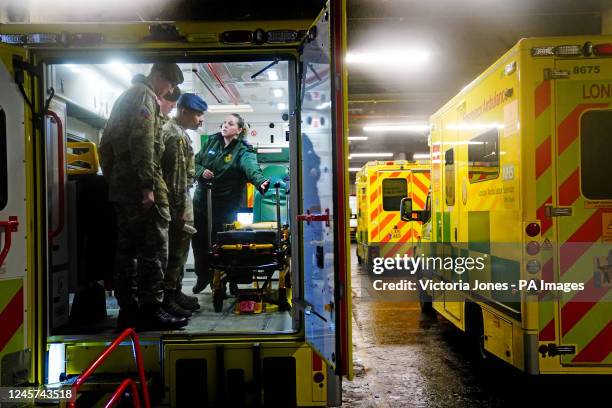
<point>241,124</point>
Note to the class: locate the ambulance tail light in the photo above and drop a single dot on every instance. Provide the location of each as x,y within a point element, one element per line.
<point>568,50</point>
<point>237,37</point>
<point>42,38</point>
<point>532,229</point>
<point>12,38</point>
<point>602,49</point>
<point>559,51</point>
<point>284,36</point>
<point>533,266</point>
<point>533,248</point>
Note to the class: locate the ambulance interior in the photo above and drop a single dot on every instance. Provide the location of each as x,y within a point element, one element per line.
<point>81,220</point>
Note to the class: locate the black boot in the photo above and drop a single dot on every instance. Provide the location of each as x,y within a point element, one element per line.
<point>187,302</point>
<point>155,318</point>
<point>173,307</point>
<point>200,285</point>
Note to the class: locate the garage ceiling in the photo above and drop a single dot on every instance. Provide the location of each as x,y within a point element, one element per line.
<point>463,37</point>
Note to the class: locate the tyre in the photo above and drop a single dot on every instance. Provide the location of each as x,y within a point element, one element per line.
<point>425,302</point>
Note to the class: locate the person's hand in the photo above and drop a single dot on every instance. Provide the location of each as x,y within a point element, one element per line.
<point>264,185</point>
<point>148,198</point>
<point>207,175</point>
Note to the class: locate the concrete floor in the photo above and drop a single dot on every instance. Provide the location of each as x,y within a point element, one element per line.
<point>403,358</point>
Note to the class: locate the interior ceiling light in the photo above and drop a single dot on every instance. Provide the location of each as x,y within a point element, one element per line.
<point>229,108</point>
<point>281,106</point>
<point>351,138</point>
<point>354,169</point>
<point>399,127</point>
<point>404,58</point>
<point>272,75</point>
<point>277,92</point>
<point>420,156</point>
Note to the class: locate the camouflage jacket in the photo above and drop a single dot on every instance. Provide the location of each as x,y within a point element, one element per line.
<point>178,169</point>
<point>131,147</point>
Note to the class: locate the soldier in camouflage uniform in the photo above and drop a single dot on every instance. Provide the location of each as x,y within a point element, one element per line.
<point>179,174</point>
<point>130,155</point>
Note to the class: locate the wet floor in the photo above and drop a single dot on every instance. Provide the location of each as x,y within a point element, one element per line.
<point>404,358</point>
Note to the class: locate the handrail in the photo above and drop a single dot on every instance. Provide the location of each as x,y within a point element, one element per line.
<point>60,173</point>
<point>129,332</point>
<point>10,226</point>
<point>115,398</point>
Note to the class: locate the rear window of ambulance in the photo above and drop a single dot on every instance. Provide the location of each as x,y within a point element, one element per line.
<point>393,190</point>
<point>596,154</point>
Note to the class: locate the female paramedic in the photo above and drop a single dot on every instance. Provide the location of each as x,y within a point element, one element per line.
<point>228,163</point>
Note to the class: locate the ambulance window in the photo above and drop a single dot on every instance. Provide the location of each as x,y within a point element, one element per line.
<point>449,176</point>
<point>483,157</point>
<point>3,158</point>
<point>394,189</point>
<point>595,149</point>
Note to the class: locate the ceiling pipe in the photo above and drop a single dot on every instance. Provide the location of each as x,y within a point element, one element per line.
<point>197,74</point>
<point>215,74</point>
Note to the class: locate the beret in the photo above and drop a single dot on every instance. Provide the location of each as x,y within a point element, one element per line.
<point>193,102</point>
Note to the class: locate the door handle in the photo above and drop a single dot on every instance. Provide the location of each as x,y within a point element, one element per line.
<point>9,227</point>
<point>60,173</point>
<point>308,217</point>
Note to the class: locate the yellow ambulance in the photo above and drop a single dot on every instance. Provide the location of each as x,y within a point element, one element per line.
<point>522,177</point>
<point>58,83</point>
<point>380,187</point>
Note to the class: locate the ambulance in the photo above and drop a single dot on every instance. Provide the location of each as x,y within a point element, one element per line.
<point>521,179</point>
<point>380,187</point>
<point>58,83</point>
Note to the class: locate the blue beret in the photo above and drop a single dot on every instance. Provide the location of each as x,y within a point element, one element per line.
<point>193,102</point>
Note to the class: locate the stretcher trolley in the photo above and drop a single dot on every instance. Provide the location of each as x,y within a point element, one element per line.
<point>252,254</point>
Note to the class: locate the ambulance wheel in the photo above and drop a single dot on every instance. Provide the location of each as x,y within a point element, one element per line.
<point>475,332</point>
<point>218,300</point>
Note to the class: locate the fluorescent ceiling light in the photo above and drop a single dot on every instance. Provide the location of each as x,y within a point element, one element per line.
<point>229,108</point>
<point>399,127</point>
<point>272,75</point>
<point>354,169</point>
<point>277,92</point>
<point>351,138</point>
<point>355,155</point>
<point>393,57</point>
<point>121,71</point>
<point>281,106</point>
<point>420,156</point>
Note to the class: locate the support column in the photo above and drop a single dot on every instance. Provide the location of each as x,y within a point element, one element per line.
<point>606,20</point>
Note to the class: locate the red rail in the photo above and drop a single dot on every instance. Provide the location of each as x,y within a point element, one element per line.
<point>60,174</point>
<point>109,350</point>
<point>308,217</point>
<point>9,227</point>
<point>128,382</point>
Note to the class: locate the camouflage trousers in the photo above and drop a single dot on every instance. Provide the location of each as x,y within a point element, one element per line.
<point>178,250</point>
<point>142,254</point>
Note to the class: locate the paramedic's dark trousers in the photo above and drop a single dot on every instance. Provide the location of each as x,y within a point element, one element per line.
<point>223,213</point>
